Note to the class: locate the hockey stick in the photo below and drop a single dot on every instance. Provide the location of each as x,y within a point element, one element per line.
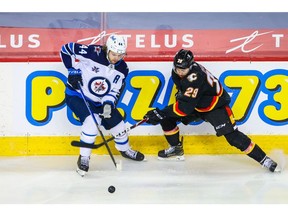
<point>96,146</point>
<point>97,125</point>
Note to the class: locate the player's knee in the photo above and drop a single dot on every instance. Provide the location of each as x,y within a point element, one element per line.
<point>121,137</point>
<point>238,140</point>
<point>119,130</point>
<point>168,124</point>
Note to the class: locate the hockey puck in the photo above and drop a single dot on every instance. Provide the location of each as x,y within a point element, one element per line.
<point>111,189</point>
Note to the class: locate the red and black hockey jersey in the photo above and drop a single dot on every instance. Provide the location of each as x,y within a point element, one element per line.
<point>198,91</point>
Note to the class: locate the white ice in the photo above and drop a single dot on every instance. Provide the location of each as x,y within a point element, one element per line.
<point>200,179</point>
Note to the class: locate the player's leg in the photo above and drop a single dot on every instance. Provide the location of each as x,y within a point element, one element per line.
<point>88,135</point>
<point>88,131</point>
<point>224,124</point>
<point>116,125</point>
<point>175,150</point>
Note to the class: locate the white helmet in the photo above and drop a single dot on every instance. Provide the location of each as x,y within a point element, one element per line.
<point>116,43</point>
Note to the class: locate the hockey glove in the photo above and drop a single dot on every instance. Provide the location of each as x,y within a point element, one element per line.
<point>178,94</point>
<point>107,109</point>
<point>74,77</point>
<point>154,116</point>
<point>181,97</point>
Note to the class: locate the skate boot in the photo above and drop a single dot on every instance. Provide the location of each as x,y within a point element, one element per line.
<point>270,164</point>
<point>83,165</point>
<point>133,155</point>
<point>172,153</point>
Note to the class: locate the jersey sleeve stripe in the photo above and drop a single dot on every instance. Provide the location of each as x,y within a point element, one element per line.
<point>212,104</point>
<point>177,111</point>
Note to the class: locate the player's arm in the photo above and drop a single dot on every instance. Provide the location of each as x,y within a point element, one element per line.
<point>71,51</point>
<point>184,105</point>
<point>110,100</point>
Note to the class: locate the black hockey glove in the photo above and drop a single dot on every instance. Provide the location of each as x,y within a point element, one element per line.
<point>74,77</point>
<point>178,94</point>
<point>154,116</point>
<point>181,97</point>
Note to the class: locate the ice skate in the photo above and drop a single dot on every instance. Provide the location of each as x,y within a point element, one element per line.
<point>83,165</point>
<point>172,153</point>
<point>270,164</point>
<point>133,155</point>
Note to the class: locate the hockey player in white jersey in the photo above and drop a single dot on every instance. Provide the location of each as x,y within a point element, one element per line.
<point>101,71</point>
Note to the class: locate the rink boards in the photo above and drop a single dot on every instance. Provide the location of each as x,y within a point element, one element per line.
<point>150,145</point>
<point>36,121</point>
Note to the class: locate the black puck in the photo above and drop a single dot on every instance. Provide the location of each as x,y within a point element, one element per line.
<point>111,189</point>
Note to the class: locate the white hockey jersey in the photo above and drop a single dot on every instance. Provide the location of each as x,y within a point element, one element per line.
<point>102,81</point>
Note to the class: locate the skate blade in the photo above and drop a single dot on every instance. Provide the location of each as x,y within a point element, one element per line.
<point>144,160</point>
<point>81,172</point>
<point>173,158</point>
<point>278,169</point>
<point>127,158</point>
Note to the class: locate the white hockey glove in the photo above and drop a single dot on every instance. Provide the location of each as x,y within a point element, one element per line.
<point>106,111</point>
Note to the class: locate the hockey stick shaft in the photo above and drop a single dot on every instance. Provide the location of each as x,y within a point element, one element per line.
<point>97,125</point>
<point>95,146</point>
<point>130,128</point>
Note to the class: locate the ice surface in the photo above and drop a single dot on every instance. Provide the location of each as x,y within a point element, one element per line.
<point>200,179</point>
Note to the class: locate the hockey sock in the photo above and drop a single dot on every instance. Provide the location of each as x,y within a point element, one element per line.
<point>172,138</point>
<point>257,153</point>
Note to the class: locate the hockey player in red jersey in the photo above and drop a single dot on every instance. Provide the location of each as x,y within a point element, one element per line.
<point>101,72</point>
<point>201,96</point>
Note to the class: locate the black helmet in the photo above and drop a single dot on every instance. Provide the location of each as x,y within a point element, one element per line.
<point>183,59</point>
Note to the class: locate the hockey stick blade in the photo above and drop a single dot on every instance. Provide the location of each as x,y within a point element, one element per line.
<point>91,146</point>
<point>86,145</point>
